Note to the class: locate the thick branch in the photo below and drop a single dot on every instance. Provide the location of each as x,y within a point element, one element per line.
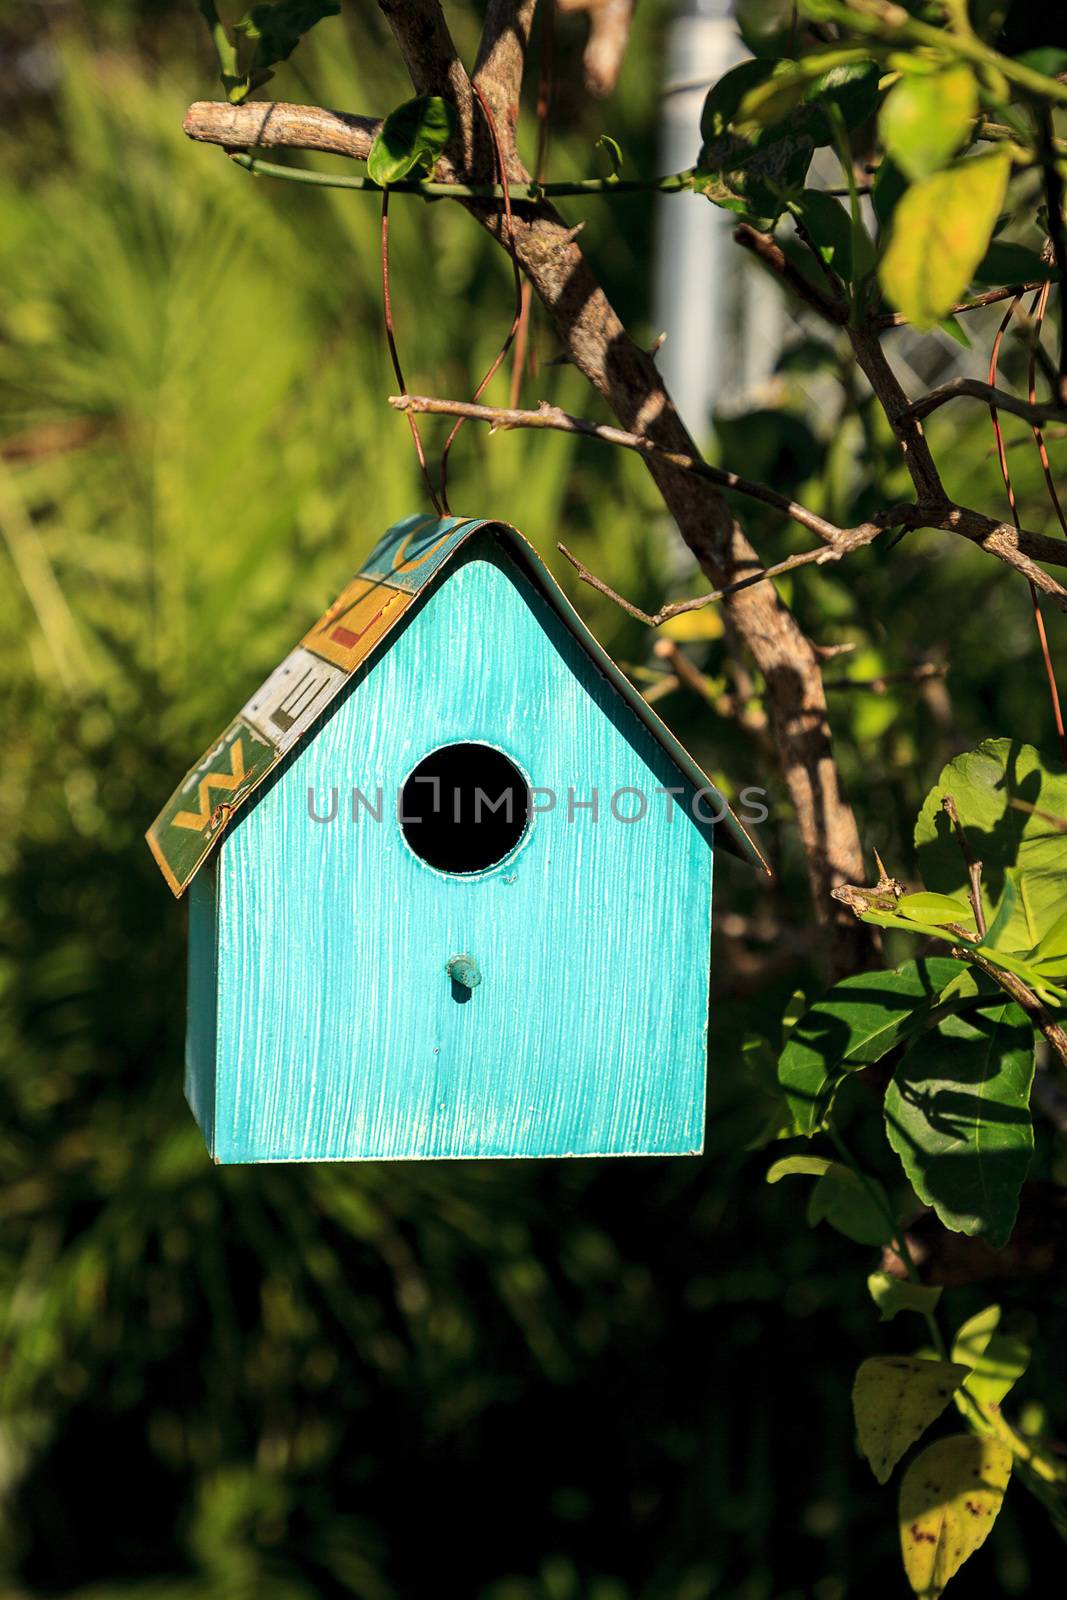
<point>501,62</point>
<point>274,124</point>
<point>974,389</point>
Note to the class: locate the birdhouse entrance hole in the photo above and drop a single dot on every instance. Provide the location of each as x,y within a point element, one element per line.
<point>464,808</point>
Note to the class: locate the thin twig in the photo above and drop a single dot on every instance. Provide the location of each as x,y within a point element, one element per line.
<point>509,234</point>
<point>390,335</point>
<point>974,866</point>
<point>998,434</point>
<point>896,319</point>
<point>923,673</point>
<point>818,557</point>
<point>1054,201</point>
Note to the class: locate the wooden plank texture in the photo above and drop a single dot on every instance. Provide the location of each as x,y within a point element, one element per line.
<point>340,1033</point>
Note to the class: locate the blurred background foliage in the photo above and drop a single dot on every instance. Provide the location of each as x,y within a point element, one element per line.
<point>577,1381</point>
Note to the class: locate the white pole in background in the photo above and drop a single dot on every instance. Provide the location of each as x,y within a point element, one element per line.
<point>696,298</point>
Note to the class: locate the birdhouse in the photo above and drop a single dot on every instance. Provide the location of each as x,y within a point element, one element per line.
<point>450,882</point>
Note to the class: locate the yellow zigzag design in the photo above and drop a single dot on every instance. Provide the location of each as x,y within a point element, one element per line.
<point>198,820</point>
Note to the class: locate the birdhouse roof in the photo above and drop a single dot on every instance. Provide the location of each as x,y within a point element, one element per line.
<point>287,708</point>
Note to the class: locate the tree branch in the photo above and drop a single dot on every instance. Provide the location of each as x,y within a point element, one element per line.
<point>854,539</point>
<point>974,389</point>
<point>990,297</point>
<point>549,416</point>
<point>1019,549</point>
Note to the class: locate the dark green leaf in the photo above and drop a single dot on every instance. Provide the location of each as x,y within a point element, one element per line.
<point>857,1022</point>
<point>412,137</point>
<point>829,227</point>
<point>983,783</point>
<point>1005,264</point>
<point>957,1114</point>
<point>724,97</point>
<point>889,184</point>
<point>1047,58</point>
<point>277,29</point>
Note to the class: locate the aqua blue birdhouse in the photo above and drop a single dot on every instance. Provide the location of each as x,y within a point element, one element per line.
<point>450,882</point>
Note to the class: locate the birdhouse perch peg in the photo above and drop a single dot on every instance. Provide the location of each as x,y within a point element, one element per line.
<point>447,767</point>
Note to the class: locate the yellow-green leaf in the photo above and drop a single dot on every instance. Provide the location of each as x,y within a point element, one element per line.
<point>937,909</point>
<point>996,1359</point>
<point>925,119</point>
<point>895,1399</point>
<point>949,1498</point>
<point>891,1295</point>
<point>940,231</point>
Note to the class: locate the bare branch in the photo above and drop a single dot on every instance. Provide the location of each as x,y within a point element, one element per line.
<point>271,124</point>
<point>895,319</point>
<point>923,673</point>
<point>855,539</point>
<point>1020,550</point>
<point>974,389</point>
<point>549,416</point>
<point>767,250</point>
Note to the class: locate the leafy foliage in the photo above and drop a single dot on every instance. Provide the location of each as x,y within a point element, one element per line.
<point>957,1114</point>
<point>411,139</point>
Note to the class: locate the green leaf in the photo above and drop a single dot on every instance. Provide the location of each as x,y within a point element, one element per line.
<point>277,29</point>
<point>925,119</point>
<point>937,909</point>
<point>957,1114</point>
<point>752,168</point>
<point>411,137</point>
<point>940,232</point>
<point>955,330</point>
<point>1011,263</point>
<point>997,1360</point>
<point>1050,954</point>
<point>1047,58</point>
<point>798,1166</point>
<point>612,151</point>
<point>949,1499</point>
<point>845,77</point>
<point>894,1400</point>
<point>841,1198</point>
<point>886,191</point>
<point>829,227</point>
<point>892,1295</point>
<point>857,1022</point>
<point>984,783</point>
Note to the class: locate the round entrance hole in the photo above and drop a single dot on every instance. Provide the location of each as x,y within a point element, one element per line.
<point>464,808</point>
